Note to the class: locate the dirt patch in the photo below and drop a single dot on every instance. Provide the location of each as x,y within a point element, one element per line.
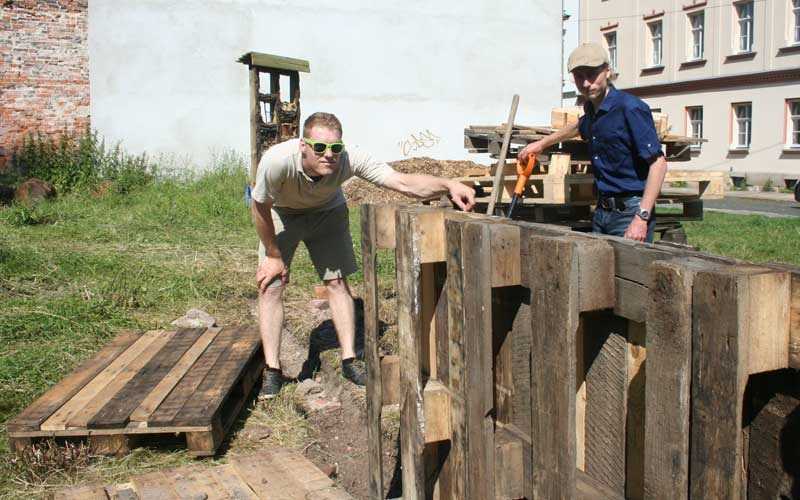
<point>358,191</point>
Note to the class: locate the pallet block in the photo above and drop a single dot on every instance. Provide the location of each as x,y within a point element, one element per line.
<point>190,381</point>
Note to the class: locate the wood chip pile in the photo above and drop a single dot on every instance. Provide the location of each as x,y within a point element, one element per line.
<point>358,191</point>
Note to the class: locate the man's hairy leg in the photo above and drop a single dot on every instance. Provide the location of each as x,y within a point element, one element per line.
<point>270,323</point>
<point>343,313</point>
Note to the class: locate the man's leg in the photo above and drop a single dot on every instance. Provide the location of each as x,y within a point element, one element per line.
<point>343,314</point>
<point>270,323</point>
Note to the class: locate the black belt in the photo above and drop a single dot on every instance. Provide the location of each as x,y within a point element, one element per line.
<point>616,201</point>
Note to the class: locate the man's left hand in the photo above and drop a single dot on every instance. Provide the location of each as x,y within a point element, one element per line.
<point>637,229</point>
<point>462,195</point>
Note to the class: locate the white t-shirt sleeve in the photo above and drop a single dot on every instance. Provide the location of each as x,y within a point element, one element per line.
<point>270,176</point>
<point>368,168</point>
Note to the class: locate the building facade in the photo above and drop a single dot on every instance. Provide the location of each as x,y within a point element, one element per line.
<point>727,71</point>
<point>44,70</point>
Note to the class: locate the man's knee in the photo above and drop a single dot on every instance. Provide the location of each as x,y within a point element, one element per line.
<point>337,286</point>
<point>271,294</point>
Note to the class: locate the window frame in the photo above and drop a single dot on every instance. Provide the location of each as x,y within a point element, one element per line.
<point>737,122</point>
<point>691,121</point>
<point>794,19</point>
<point>656,43</point>
<point>612,49</point>
<point>694,53</point>
<point>745,36</point>
<point>792,130</point>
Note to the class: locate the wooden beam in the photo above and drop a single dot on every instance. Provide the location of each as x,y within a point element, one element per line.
<point>390,379</point>
<point>505,255</point>
<point>509,464</point>
<point>554,284</point>
<point>436,399</point>
<point>270,61</point>
<point>255,118</point>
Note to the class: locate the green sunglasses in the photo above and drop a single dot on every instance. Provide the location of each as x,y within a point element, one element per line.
<point>320,147</point>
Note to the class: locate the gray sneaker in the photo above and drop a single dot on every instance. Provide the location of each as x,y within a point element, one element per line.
<point>353,369</point>
<point>271,383</point>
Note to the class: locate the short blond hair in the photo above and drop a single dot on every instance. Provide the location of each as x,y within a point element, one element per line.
<point>321,119</point>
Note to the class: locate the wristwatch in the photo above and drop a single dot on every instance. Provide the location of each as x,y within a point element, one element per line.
<point>644,214</point>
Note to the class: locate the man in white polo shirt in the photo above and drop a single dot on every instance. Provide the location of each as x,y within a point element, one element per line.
<point>297,197</point>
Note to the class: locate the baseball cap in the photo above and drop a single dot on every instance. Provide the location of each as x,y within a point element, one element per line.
<point>587,54</point>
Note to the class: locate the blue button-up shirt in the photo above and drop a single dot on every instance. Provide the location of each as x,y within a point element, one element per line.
<point>622,141</point>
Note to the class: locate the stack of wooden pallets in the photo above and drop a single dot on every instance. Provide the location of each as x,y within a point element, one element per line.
<point>189,381</point>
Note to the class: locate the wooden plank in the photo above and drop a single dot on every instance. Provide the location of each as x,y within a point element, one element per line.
<point>588,488</point>
<point>192,483</point>
<point>769,322</point>
<point>173,403</point>
<point>59,419</point>
<point>719,375</point>
<point>580,397</point>
<point>794,335</point>
<point>82,417</point>
<point>632,300</point>
<point>231,483</point>
<point>264,60</point>
<point>116,413</point>
<point>436,401</point>
<point>375,366</point>
<point>667,386</point>
<point>41,409</point>
<point>605,359</point>
<point>635,411</point>
<point>206,402</point>
<point>155,486</point>
<point>428,299</point>
<point>150,403</point>
<point>554,284</point>
<point>505,251</point>
<point>384,226</point>
<point>280,474</point>
<point>390,379</point>
<point>86,492</point>
<point>255,120</point>
<point>509,465</point>
<point>410,234</point>
<point>457,384</point>
<point>478,350</point>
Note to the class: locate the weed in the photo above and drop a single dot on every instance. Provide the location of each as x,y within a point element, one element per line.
<point>767,185</point>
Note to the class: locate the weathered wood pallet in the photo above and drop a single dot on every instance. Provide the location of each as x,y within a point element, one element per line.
<point>489,139</point>
<point>522,359</point>
<point>560,180</point>
<point>273,474</point>
<point>189,381</point>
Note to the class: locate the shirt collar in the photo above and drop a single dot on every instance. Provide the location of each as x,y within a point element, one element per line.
<point>608,101</point>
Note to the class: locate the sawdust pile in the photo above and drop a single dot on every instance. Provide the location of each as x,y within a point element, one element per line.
<point>358,191</point>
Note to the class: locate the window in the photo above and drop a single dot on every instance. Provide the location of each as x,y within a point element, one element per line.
<point>796,21</point>
<point>656,43</point>
<point>695,115</point>
<point>743,115</point>
<point>793,125</point>
<point>697,22</point>
<point>744,13</point>
<point>611,44</point>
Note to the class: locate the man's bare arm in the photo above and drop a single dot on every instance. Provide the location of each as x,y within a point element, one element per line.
<point>426,186</point>
<point>567,132</point>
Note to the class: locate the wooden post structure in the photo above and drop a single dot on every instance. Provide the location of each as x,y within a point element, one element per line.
<point>283,118</point>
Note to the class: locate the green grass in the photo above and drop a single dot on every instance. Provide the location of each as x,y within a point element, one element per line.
<point>76,271</point>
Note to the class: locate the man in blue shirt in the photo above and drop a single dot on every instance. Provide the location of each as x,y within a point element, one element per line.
<point>627,161</point>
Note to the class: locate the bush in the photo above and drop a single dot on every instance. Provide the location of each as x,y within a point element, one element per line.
<point>80,163</point>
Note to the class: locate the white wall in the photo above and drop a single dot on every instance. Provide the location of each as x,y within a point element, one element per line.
<point>164,77</point>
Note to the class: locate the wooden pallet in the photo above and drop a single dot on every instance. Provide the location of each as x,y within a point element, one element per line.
<point>192,381</point>
<point>273,474</point>
<point>522,353</point>
<point>559,180</point>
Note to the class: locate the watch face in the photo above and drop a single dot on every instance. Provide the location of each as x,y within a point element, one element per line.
<point>644,214</point>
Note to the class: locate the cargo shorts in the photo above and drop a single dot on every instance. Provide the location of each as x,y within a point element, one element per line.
<point>326,235</point>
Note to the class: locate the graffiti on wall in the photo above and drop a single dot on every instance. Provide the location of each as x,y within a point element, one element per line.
<point>424,139</point>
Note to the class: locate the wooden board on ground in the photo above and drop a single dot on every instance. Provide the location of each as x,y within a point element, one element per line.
<point>273,474</point>
<point>191,381</point>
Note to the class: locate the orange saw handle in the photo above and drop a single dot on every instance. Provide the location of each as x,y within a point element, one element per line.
<point>523,173</point>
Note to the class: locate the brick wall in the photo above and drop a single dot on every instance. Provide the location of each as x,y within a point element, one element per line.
<point>44,69</point>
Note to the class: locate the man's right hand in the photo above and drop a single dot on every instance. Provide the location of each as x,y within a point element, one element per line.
<point>270,269</point>
<point>534,147</point>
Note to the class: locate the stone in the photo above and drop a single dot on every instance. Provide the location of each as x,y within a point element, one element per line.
<point>315,404</point>
<point>318,305</point>
<point>195,318</point>
<point>308,387</point>
<point>34,190</point>
<point>256,432</point>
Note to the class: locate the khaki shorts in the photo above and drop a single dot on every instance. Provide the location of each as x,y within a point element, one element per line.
<point>326,235</point>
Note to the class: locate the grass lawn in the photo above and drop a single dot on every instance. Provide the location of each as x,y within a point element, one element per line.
<point>76,271</point>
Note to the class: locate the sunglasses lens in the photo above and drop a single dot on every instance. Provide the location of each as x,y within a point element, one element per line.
<point>337,148</point>
<point>319,147</point>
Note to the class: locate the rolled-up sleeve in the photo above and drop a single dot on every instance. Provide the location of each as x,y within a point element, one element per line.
<point>269,179</point>
<point>639,119</point>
